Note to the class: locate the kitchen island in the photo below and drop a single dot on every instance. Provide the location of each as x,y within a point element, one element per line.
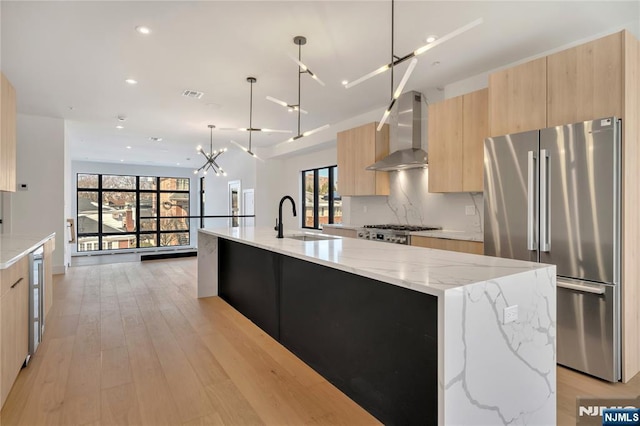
<point>413,335</point>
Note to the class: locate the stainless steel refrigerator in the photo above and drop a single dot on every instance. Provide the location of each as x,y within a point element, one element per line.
<point>553,196</point>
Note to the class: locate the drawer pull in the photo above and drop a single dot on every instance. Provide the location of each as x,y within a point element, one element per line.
<point>16,283</point>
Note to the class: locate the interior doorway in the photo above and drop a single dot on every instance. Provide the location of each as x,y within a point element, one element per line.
<point>234,203</point>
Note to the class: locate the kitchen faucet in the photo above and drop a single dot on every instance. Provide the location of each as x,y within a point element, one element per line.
<point>279,221</point>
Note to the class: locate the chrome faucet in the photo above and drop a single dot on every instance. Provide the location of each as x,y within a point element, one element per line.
<point>279,221</point>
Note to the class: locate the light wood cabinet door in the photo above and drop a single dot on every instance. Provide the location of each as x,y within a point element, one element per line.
<point>473,247</point>
<point>7,135</point>
<point>358,148</point>
<point>518,98</point>
<point>475,128</point>
<point>14,323</point>
<point>585,82</point>
<point>346,172</point>
<point>445,145</point>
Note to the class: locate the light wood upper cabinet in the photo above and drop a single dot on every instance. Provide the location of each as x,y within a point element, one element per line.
<point>358,148</point>
<point>457,129</point>
<point>445,145</point>
<point>7,135</point>
<point>518,98</point>
<point>585,82</point>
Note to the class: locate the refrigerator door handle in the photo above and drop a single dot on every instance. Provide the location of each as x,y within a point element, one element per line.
<point>531,240</point>
<point>545,244</point>
<point>581,287</point>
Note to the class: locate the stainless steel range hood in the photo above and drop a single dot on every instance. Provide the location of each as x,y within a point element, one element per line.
<point>407,126</point>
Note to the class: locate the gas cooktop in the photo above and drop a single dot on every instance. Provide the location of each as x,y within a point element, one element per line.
<point>409,228</point>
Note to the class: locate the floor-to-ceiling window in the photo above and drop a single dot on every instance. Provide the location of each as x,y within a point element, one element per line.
<point>124,212</point>
<point>321,202</point>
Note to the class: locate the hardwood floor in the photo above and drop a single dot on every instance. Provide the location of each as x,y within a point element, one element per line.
<point>130,343</point>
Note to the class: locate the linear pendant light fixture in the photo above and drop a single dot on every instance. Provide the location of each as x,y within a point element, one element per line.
<point>302,69</point>
<point>211,156</point>
<point>396,60</point>
<point>251,129</point>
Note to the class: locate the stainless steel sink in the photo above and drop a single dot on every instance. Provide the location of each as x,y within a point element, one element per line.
<point>309,237</point>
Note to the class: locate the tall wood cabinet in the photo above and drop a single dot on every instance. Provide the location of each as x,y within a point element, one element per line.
<point>457,129</point>
<point>518,98</point>
<point>358,148</point>
<point>7,135</point>
<point>586,82</point>
<point>597,79</point>
<point>14,323</point>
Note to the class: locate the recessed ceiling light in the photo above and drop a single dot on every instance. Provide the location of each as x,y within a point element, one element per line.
<point>177,164</point>
<point>122,161</point>
<point>155,139</point>
<point>143,30</point>
<point>432,38</point>
<point>131,81</point>
<point>119,127</point>
<point>128,147</point>
<point>345,82</point>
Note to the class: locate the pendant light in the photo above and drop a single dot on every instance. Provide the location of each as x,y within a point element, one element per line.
<point>251,129</point>
<point>302,69</point>
<point>396,60</point>
<point>211,156</point>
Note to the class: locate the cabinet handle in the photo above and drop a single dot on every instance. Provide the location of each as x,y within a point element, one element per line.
<point>16,283</point>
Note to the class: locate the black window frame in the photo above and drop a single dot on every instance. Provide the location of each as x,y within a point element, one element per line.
<point>100,190</point>
<point>316,196</point>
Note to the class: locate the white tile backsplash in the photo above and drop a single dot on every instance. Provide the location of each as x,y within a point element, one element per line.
<point>411,203</point>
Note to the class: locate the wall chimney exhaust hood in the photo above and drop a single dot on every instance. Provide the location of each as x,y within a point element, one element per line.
<point>407,129</point>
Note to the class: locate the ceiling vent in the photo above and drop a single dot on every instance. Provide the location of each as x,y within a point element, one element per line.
<point>192,94</point>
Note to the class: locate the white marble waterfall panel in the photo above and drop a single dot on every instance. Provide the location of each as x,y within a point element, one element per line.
<point>207,265</point>
<point>496,373</point>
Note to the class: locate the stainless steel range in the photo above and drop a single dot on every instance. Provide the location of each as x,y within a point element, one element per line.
<point>398,234</point>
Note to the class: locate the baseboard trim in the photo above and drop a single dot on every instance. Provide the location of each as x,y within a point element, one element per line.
<point>170,255</point>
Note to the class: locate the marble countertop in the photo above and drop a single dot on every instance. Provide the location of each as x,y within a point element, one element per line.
<point>425,270</point>
<point>13,247</point>
<point>452,235</point>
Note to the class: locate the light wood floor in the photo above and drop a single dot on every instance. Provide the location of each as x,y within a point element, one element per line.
<point>129,343</point>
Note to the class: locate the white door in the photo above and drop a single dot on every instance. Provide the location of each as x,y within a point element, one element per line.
<point>248,207</point>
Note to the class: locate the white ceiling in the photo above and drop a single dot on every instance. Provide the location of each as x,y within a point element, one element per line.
<point>70,60</point>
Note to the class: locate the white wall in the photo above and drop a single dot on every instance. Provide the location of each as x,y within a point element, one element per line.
<point>279,177</point>
<point>40,210</point>
<point>239,166</point>
<point>136,170</point>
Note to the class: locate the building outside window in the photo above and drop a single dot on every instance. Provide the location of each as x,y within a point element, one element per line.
<point>123,212</point>
<point>321,202</point>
